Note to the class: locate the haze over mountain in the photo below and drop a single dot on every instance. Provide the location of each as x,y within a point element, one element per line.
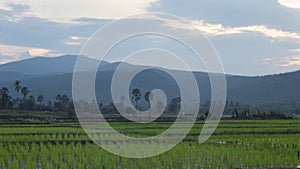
<point>44,65</point>
<point>52,76</point>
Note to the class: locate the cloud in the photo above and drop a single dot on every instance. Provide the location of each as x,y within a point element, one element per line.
<point>295,4</point>
<point>25,55</point>
<point>233,13</point>
<point>269,32</point>
<point>86,20</point>
<point>66,10</point>
<point>4,58</point>
<point>14,12</point>
<point>219,29</point>
<point>214,29</point>
<point>243,32</point>
<point>75,40</point>
<point>18,9</point>
<point>295,50</point>
<point>268,59</point>
<point>72,43</point>
<point>211,29</point>
<point>42,33</point>
<point>291,61</point>
<point>38,51</point>
<point>9,50</point>
<point>11,53</point>
<point>75,37</point>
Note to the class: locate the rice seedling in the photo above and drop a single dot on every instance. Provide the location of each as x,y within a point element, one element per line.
<point>236,144</point>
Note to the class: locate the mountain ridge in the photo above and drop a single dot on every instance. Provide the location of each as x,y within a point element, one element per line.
<point>70,61</point>
<point>278,88</point>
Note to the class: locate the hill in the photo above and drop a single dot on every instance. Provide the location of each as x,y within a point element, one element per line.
<point>51,76</point>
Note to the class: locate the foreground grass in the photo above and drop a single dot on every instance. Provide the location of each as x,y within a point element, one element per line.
<point>235,144</point>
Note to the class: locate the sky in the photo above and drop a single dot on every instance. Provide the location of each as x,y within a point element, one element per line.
<point>252,37</point>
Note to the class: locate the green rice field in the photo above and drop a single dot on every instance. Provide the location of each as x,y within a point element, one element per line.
<point>235,144</point>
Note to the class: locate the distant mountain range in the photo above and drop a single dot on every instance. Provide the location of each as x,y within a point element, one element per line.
<point>52,76</point>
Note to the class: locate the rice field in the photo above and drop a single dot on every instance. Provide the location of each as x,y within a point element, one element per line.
<point>235,144</point>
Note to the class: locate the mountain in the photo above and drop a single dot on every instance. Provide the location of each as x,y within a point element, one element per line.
<point>52,76</point>
<point>47,66</point>
<point>265,89</point>
<point>12,76</point>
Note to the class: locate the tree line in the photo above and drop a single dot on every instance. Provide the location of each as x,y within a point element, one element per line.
<point>62,103</point>
<point>237,110</point>
<point>25,101</point>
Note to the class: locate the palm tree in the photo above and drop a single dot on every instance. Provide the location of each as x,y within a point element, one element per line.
<point>148,96</point>
<point>4,98</point>
<point>58,103</point>
<point>31,99</point>
<point>17,86</point>
<point>65,102</point>
<point>58,98</point>
<point>65,98</point>
<point>4,92</point>
<point>25,92</point>
<point>40,99</point>
<point>30,103</point>
<point>136,96</point>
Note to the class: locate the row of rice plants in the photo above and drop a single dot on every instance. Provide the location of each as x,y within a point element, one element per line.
<point>184,155</point>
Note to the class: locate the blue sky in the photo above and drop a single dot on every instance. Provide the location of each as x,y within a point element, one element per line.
<point>252,37</point>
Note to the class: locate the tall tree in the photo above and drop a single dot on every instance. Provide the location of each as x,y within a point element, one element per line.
<point>30,103</point>
<point>5,98</point>
<point>40,99</point>
<point>58,98</point>
<point>175,105</point>
<point>58,103</point>
<point>4,92</point>
<point>17,86</point>
<point>25,92</point>
<point>148,97</point>
<point>136,96</point>
<point>65,102</point>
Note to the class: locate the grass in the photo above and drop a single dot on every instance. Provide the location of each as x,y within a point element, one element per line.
<point>235,144</point>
